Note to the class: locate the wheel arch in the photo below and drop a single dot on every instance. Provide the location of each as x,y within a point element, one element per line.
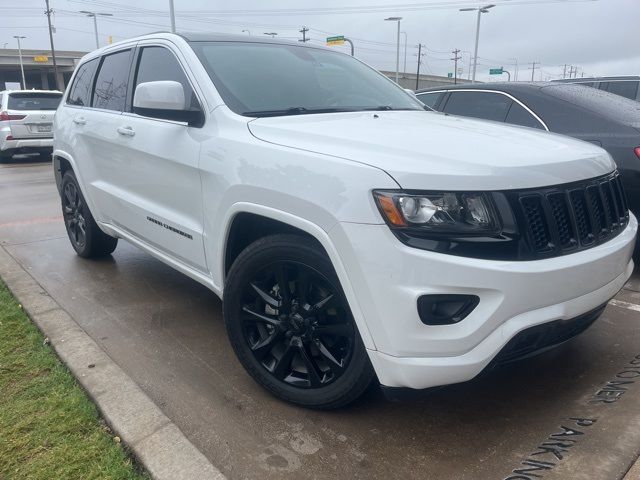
<point>63,162</point>
<point>270,221</point>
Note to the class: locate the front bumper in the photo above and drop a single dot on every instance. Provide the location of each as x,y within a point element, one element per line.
<point>388,277</point>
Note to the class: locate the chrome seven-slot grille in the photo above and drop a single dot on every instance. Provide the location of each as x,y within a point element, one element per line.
<point>575,216</point>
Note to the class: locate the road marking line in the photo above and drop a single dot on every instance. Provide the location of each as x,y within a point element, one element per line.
<point>623,304</point>
<point>32,221</point>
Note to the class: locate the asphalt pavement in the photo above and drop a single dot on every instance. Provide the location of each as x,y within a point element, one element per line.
<point>573,412</point>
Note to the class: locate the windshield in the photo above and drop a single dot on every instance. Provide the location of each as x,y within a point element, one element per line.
<point>267,79</point>
<point>33,101</point>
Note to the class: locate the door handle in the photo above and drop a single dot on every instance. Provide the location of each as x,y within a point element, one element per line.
<point>80,121</point>
<point>126,131</point>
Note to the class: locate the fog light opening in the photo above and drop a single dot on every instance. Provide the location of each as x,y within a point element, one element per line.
<point>445,309</point>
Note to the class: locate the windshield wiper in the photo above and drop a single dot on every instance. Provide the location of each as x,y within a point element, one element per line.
<point>295,111</point>
<point>307,111</point>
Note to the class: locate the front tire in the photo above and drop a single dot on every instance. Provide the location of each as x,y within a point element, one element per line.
<point>290,324</point>
<point>84,234</point>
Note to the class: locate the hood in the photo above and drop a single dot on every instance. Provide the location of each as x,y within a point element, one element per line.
<point>433,151</point>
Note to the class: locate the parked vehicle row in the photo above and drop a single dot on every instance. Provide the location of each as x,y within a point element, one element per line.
<point>26,121</point>
<point>354,235</point>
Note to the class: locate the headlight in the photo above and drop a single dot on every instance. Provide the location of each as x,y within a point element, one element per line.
<point>466,213</point>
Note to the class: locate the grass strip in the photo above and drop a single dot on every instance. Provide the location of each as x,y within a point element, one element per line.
<point>49,429</point>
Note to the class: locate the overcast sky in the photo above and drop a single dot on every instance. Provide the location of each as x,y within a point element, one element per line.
<point>597,36</point>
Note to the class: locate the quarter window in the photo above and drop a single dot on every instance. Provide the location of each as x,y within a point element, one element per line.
<point>429,99</point>
<point>518,115</point>
<point>486,105</point>
<point>624,88</point>
<point>80,92</point>
<point>111,83</point>
<point>158,63</point>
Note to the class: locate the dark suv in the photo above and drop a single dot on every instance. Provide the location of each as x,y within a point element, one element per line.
<point>602,118</point>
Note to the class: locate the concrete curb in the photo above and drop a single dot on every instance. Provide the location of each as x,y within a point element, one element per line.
<point>154,439</point>
<point>634,472</point>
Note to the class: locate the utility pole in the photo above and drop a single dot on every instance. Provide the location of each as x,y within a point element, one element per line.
<point>419,61</point>
<point>172,15</point>
<point>533,70</point>
<point>564,71</point>
<point>24,83</point>
<point>53,50</point>
<point>455,65</point>
<point>304,34</point>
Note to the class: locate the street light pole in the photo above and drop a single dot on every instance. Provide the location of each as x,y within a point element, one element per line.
<point>404,69</point>
<point>397,19</point>
<point>24,82</point>
<point>248,31</point>
<point>95,16</point>
<point>480,11</point>
<point>515,75</point>
<point>172,14</point>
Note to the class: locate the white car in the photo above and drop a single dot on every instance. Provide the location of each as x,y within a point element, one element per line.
<point>352,234</point>
<point>26,121</point>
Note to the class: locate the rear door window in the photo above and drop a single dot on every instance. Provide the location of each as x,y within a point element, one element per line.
<point>111,82</point>
<point>518,115</point>
<point>33,101</point>
<point>628,89</point>
<point>159,63</point>
<point>485,105</point>
<point>80,91</point>
<point>430,99</point>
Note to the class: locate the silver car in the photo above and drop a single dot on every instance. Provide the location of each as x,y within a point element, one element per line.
<point>26,121</point>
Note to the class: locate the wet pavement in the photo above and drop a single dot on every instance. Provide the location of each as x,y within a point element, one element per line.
<point>571,413</point>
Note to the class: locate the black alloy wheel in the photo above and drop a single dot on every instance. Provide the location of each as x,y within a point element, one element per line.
<point>290,324</point>
<point>73,213</point>
<point>84,233</point>
<point>297,324</point>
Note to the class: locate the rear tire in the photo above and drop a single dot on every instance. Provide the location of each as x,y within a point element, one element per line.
<point>84,234</point>
<point>290,324</point>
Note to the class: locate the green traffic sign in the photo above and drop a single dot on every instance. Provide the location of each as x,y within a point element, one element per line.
<point>496,71</point>
<point>450,75</point>
<point>336,39</point>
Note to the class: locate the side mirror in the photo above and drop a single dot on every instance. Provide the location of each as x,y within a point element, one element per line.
<point>165,99</point>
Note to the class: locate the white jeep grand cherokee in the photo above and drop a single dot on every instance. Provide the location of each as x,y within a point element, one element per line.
<point>352,233</point>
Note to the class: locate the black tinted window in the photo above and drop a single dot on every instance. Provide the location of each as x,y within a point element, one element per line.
<point>486,105</point>
<point>518,115</point>
<point>624,89</point>
<point>429,99</point>
<point>111,83</point>
<point>158,63</point>
<point>33,101</point>
<point>80,92</point>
